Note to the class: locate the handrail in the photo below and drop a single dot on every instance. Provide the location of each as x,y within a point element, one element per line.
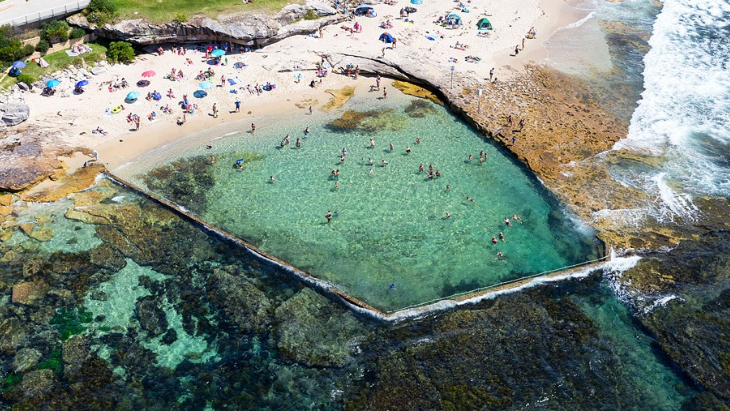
<point>47,14</point>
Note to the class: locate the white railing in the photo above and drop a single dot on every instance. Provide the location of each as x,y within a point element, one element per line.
<point>48,14</point>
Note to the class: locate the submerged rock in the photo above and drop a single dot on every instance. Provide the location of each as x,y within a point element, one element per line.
<point>25,359</point>
<point>150,316</point>
<point>29,293</point>
<point>37,383</point>
<point>244,304</point>
<point>312,331</point>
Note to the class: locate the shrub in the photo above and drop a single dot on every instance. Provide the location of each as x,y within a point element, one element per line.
<point>55,31</point>
<point>10,52</point>
<point>310,15</point>
<point>42,46</point>
<point>181,17</point>
<point>26,78</point>
<point>28,50</point>
<point>102,6</point>
<point>95,17</point>
<point>77,33</point>
<point>120,51</point>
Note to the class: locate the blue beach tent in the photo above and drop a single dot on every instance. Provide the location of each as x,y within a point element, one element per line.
<point>365,10</point>
<point>453,20</point>
<point>386,38</point>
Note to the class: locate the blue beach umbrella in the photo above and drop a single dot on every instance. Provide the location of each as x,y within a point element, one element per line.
<point>205,85</point>
<point>19,65</point>
<point>52,83</point>
<point>218,52</point>
<point>82,83</point>
<point>200,94</point>
<point>133,95</point>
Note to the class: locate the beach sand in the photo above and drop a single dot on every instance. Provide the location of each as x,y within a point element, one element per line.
<point>75,116</point>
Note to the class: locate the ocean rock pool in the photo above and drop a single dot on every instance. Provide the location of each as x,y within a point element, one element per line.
<point>389,242</point>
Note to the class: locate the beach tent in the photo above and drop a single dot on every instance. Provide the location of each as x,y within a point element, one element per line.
<point>365,10</point>
<point>218,53</point>
<point>453,20</point>
<point>386,38</point>
<point>484,24</point>
<point>416,2</point>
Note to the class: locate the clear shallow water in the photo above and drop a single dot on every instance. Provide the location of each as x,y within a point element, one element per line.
<point>389,224</point>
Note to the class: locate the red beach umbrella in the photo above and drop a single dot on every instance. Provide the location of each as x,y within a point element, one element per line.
<point>148,73</point>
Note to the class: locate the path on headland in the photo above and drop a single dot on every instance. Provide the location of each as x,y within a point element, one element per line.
<point>20,12</point>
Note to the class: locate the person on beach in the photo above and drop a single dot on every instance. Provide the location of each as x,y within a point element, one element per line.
<point>509,120</point>
<point>517,50</point>
<point>514,140</point>
<point>377,81</point>
<point>253,128</point>
<point>491,74</point>
<point>522,123</point>
<point>215,111</point>
<point>238,105</point>
<point>385,93</point>
<point>523,43</point>
<point>328,216</point>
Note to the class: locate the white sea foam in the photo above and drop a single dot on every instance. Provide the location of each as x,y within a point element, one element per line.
<point>684,112</point>
<point>579,22</point>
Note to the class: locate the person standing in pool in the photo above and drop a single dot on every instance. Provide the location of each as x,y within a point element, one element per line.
<point>306,131</point>
<point>501,236</point>
<point>272,179</point>
<point>253,128</point>
<point>372,143</point>
<point>328,216</point>
<point>448,187</point>
<point>408,149</point>
<point>420,168</point>
<point>494,240</point>
<point>344,151</point>
<point>391,146</point>
<point>299,142</point>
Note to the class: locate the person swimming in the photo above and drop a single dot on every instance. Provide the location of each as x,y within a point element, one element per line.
<point>506,221</point>
<point>306,131</point>
<point>447,215</point>
<point>501,236</point>
<point>517,218</point>
<point>391,146</point>
<point>344,151</point>
<point>420,168</point>
<point>299,143</point>
<point>500,256</point>
<point>471,199</point>
<point>383,162</point>
<point>408,149</point>
<point>328,216</point>
<point>494,240</point>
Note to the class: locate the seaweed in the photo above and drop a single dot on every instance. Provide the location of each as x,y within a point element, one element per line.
<point>70,322</point>
<point>54,362</point>
<point>11,380</point>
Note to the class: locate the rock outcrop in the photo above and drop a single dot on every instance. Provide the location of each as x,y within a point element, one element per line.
<point>247,29</point>
<point>14,114</point>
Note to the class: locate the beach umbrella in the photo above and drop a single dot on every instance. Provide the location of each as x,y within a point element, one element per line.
<point>133,95</point>
<point>19,65</point>
<point>52,83</point>
<point>82,83</point>
<point>148,73</point>
<point>205,85</point>
<point>218,52</point>
<point>200,94</point>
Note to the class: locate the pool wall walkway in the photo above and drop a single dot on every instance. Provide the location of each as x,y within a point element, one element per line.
<point>468,297</point>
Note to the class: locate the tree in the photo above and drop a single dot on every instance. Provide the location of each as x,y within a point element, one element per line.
<point>42,46</point>
<point>120,51</point>
<point>55,31</point>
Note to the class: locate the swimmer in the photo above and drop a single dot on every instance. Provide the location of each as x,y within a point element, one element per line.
<point>371,171</point>
<point>438,173</point>
<point>392,286</point>
<point>448,187</point>
<point>287,139</point>
<point>383,162</point>
<point>408,149</point>
<point>337,185</point>
<point>208,146</point>
<point>272,179</point>
<point>372,143</point>
<point>501,236</point>
<point>471,199</point>
<point>299,143</point>
<point>342,159</point>
<point>430,174</point>
<point>500,256</point>
<point>481,160</point>
<point>471,157</point>
<point>430,167</point>
<point>333,173</point>
<point>447,215</point>
<point>253,128</point>
<point>281,144</point>
<point>344,151</point>
<point>328,216</point>
<point>494,240</point>
<point>212,160</point>
<point>370,161</point>
<point>506,221</point>
<point>517,218</point>
<point>418,140</point>
<point>391,146</point>
<point>420,168</point>
<point>306,131</point>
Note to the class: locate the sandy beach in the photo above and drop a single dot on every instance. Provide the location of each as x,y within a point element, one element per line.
<point>291,66</point>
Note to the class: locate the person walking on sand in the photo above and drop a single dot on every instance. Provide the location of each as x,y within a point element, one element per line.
<point>385,93</point>
<point>320,32</point>
<point>215,111</point>
<point>310,110</point>
<point>523,43</point>
<point>517,50</point>
<point>253,128</point>
<point>522,123</point>
<point>383,51</point>
<point>491,74</point>
<point>509,120</point>
<point>238,105</point>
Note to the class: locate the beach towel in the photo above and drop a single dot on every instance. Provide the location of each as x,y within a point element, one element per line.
<point>42,62</point>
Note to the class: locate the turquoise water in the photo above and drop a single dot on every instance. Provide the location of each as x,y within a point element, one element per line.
<point>389,224</point>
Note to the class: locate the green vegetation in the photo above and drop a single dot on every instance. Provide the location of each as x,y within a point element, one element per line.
<point>53,362</point>
<point>163,12</point>
<point>181,17</point>
<point>310,15</point>
<point>11,49</point>
<point>42,46</point>
<point>55,31</point>
<point>11,381</point>
<point>120,51</point>
<point>57,61</point>
<point>26,78</point>
<point>77,33</point>
<point>71,322</point>
<point>101,11</point>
